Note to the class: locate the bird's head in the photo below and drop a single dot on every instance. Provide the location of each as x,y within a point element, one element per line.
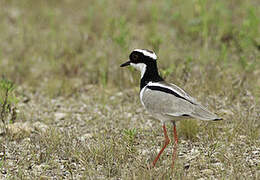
<point>140,59</point>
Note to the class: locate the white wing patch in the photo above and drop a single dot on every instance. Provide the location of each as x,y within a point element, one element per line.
<point>176,89</point>
<point>147,53</point>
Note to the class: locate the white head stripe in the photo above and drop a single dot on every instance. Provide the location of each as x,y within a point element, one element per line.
<point>147,53</point>
<point>178,90</point>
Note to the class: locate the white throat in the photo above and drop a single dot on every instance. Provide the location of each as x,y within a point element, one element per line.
<point>140,67</point>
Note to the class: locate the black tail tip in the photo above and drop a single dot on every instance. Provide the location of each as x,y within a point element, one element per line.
<point>218,119</point>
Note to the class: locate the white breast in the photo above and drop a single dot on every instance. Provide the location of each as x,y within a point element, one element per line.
<point>141,95</point>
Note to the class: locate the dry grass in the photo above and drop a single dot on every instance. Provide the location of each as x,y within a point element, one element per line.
<point>79,114</point>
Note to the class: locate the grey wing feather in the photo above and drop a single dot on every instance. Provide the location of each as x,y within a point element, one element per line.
<point>168,104</point>
<point>180,91</point>
<point>164,103</point>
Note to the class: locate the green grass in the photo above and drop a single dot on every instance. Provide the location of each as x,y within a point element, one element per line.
<point>64,57</point>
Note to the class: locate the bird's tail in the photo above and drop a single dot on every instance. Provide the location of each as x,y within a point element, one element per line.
<point>202,113</point>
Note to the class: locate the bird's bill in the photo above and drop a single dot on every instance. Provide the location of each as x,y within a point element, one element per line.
<point>125,64</point>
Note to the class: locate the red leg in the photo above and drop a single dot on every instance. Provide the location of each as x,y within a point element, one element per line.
<point>175,144</point>
<point>166,142</point>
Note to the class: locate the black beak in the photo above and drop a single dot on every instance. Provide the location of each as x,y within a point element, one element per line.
<point>125,64</point>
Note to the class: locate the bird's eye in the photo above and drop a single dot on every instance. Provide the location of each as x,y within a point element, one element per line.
<point>135,56</point>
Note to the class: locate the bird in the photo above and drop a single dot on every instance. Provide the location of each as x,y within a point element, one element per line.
<point>164,101</point>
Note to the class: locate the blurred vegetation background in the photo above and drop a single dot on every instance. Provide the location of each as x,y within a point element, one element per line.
<point>62,60</point>
<point>59,46</point>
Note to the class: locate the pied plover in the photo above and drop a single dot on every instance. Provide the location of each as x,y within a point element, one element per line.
<point>164,101</point>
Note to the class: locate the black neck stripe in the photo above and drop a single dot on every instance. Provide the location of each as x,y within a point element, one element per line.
<point>169,91</point>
